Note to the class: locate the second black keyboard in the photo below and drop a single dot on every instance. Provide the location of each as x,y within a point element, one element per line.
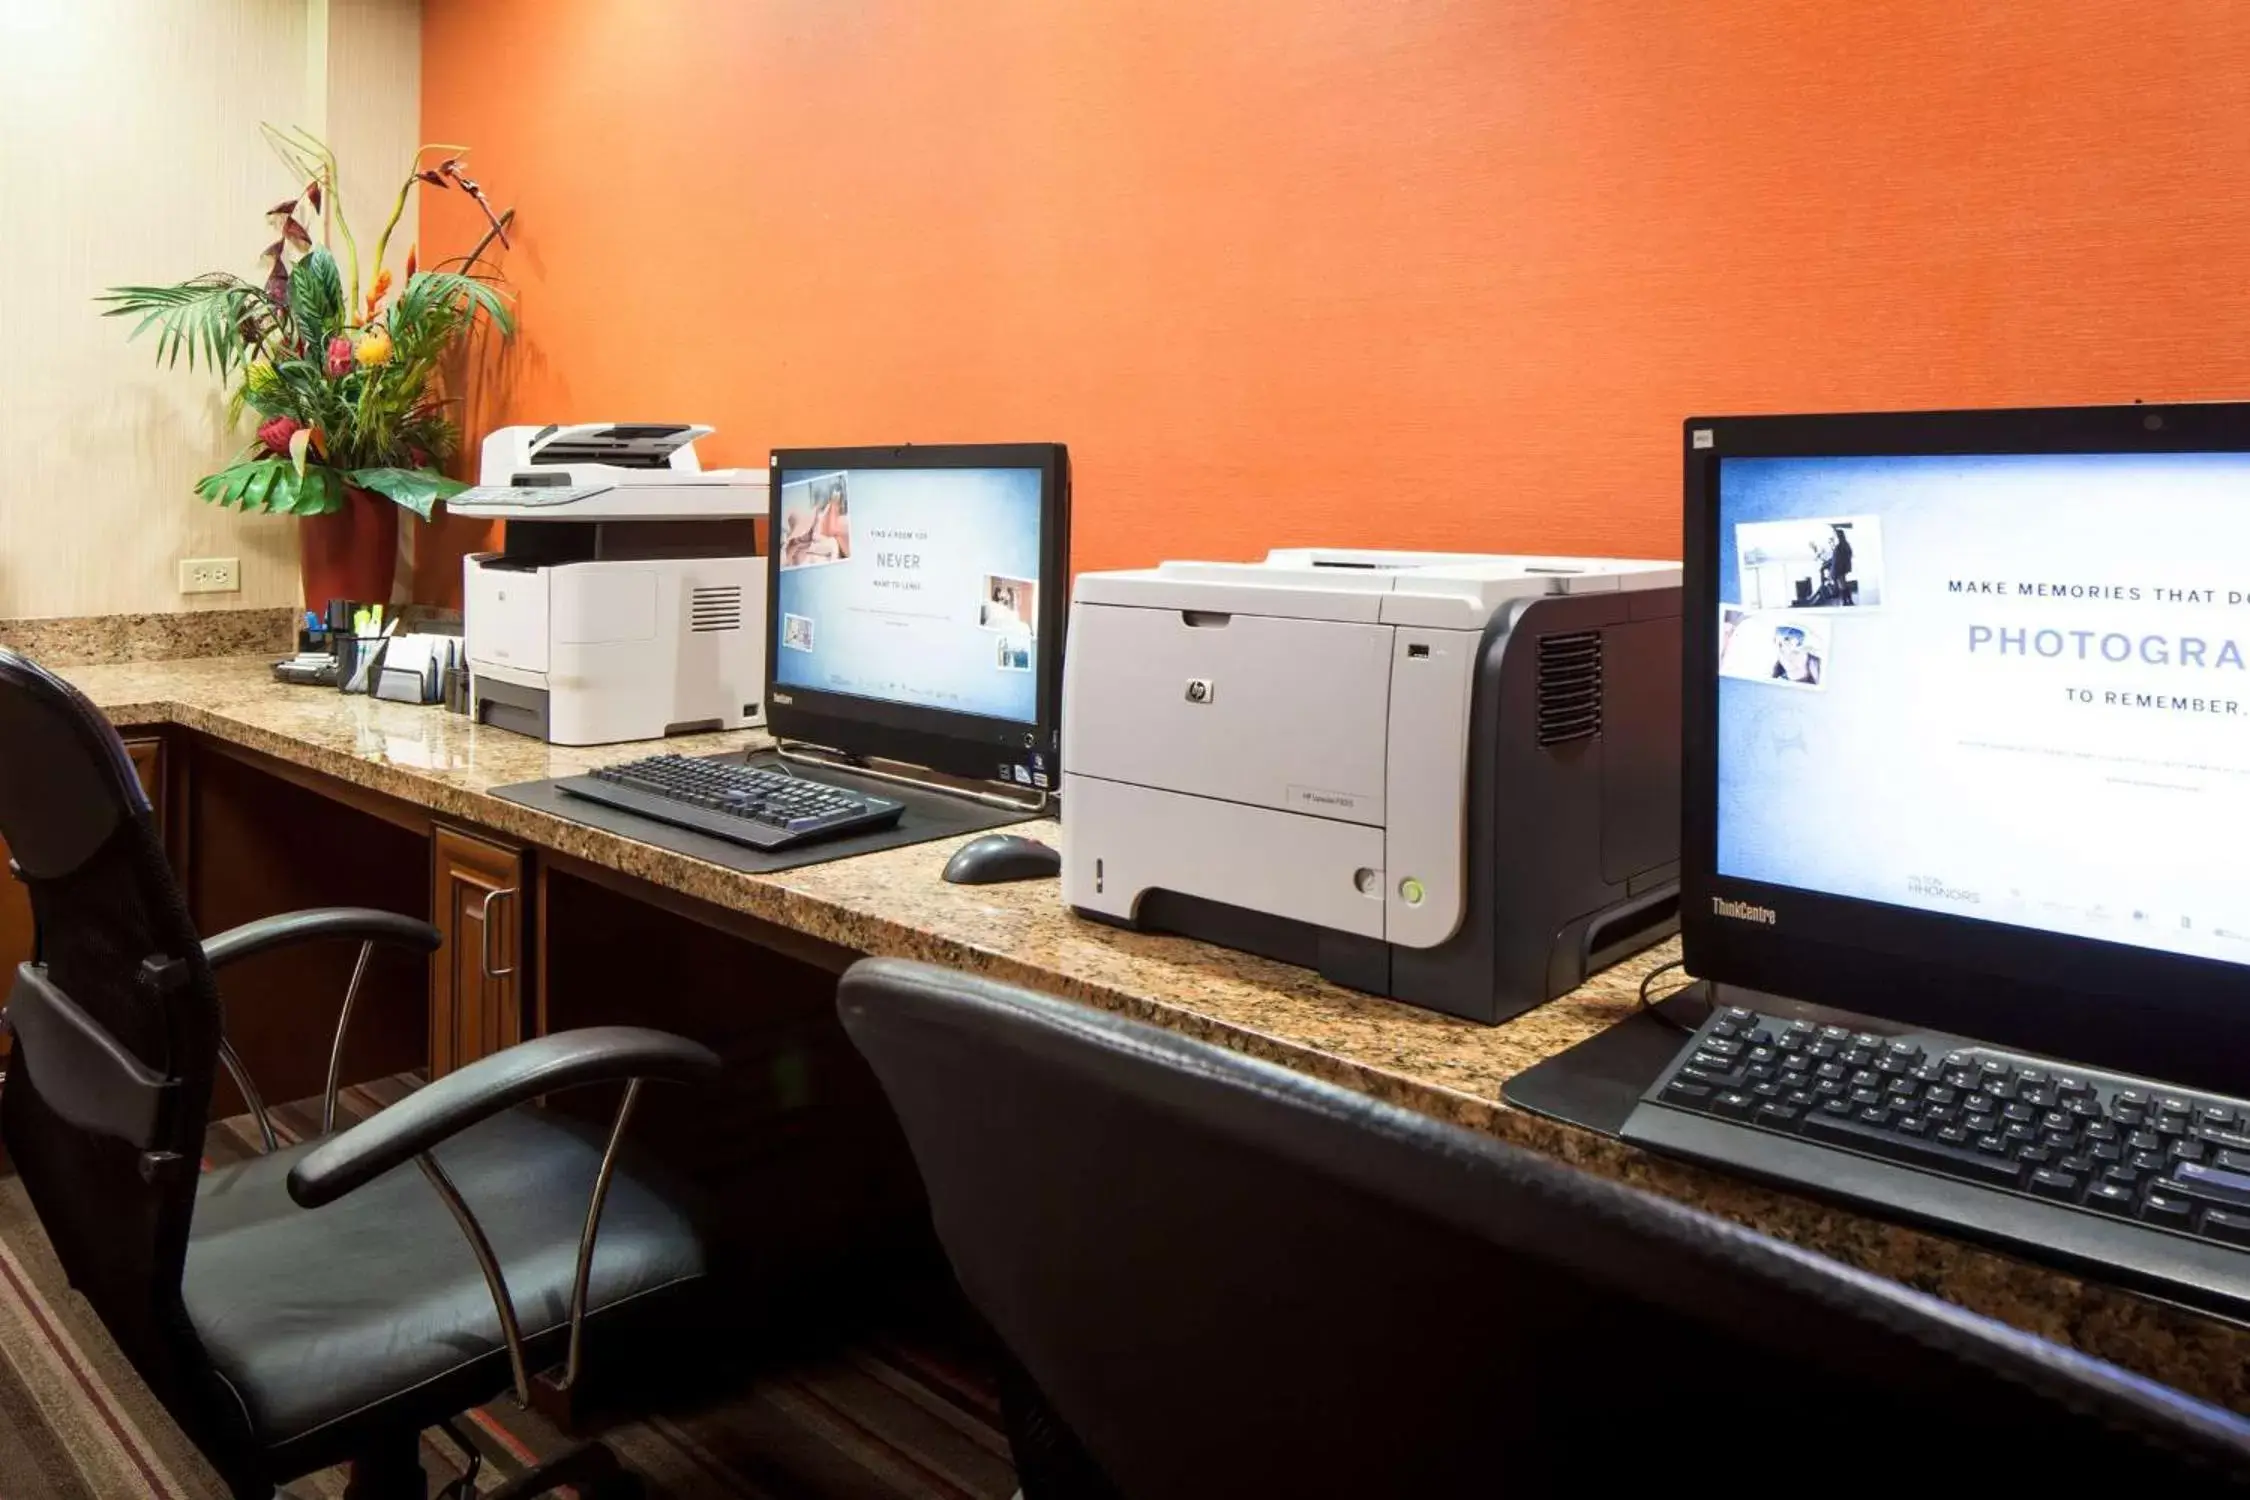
<point>2061,1162</point>
<point>746,805</point>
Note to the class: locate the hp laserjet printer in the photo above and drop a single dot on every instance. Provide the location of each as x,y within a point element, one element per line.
<point>1452,779</point>
<point>629,601</point>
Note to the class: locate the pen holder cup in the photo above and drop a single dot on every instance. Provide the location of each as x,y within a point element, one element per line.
<point>340,615</point>
<point>356,660</point>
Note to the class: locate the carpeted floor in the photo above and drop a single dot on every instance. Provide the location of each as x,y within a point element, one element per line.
<point>900,1411</point>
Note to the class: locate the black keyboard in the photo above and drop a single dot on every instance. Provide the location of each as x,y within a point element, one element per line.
<point>2136,1180</point>
<point>729,800</point>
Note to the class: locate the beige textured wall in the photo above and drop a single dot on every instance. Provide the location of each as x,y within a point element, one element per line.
<point>129,151</point>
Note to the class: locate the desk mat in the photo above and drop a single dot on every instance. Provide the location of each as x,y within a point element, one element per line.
<point>1596,1083</point>
<point>929,815</point>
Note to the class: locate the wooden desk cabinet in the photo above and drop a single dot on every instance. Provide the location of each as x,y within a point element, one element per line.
<point>477,891</point>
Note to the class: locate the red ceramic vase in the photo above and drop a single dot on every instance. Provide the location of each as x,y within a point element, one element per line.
<point>350,553</point>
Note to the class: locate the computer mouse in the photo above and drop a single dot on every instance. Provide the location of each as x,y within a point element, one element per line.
<point>999,857</point>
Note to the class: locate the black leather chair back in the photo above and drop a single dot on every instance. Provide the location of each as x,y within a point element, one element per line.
<point>116,1022</point>
<point>1228,1279</point>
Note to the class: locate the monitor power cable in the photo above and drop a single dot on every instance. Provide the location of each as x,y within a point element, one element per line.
<point>1648,1006</point>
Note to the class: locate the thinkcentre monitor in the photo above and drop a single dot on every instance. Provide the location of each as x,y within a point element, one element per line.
<point>1967,724</point>
<point>918,599</point>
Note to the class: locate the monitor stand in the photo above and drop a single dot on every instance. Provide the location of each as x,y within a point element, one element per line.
<point>1027,800</point>
<point>1596,1083</point>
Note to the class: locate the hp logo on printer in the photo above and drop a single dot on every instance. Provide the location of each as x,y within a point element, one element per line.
<point>1200,690</point>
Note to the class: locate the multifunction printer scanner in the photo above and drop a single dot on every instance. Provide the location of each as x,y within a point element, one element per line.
<point>1452,779</point>
<point>629,602</point>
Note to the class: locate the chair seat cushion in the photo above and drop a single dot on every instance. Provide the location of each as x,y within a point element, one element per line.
<point>372,1311</point>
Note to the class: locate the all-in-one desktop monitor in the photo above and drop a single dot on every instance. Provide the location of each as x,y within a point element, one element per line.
<point>918,598</point>
<point>916,635</point>
<point>1968,725</point>
<point>1967,760</point>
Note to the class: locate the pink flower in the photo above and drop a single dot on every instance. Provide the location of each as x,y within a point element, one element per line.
<point>275,433</point>
<point>339,356</point>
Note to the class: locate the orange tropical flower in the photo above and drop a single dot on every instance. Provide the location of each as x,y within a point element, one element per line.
<point>376,291</point>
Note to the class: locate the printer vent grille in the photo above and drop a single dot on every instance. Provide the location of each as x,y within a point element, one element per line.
<point>715,608</point>
<point>1570,686</point>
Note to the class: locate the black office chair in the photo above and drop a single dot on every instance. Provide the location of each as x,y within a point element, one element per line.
<point>330,1301</point>
<point>1222,1279</point>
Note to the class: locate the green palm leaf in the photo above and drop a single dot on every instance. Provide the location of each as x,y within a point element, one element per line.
<point>466,292</point>
<point>434,305</point>
<point>203,317</point>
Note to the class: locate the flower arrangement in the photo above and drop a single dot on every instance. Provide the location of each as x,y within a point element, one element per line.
<point>344,385</point>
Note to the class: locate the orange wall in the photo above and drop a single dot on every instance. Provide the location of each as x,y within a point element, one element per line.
<point>1434,273</point>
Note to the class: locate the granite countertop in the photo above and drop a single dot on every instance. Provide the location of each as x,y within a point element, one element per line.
<point>894,903</point>
<point>73,640</point>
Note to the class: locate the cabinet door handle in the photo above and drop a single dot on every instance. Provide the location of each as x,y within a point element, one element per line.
<point>484,915</point>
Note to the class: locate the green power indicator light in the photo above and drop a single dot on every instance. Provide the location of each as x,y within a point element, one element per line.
<point>1410,890</point>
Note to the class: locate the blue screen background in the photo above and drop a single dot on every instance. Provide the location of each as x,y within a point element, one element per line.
<point>1934,768</point>
<point>898,620</point>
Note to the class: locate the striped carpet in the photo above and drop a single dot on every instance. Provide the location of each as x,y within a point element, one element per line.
<point>901,1411</point>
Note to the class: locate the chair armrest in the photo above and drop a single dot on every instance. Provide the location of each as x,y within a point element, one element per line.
<point>268,933</point>
<point>400,1133</point>
<point>291,927</point>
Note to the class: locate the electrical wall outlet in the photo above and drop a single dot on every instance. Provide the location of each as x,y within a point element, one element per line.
<point>210,575</point>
